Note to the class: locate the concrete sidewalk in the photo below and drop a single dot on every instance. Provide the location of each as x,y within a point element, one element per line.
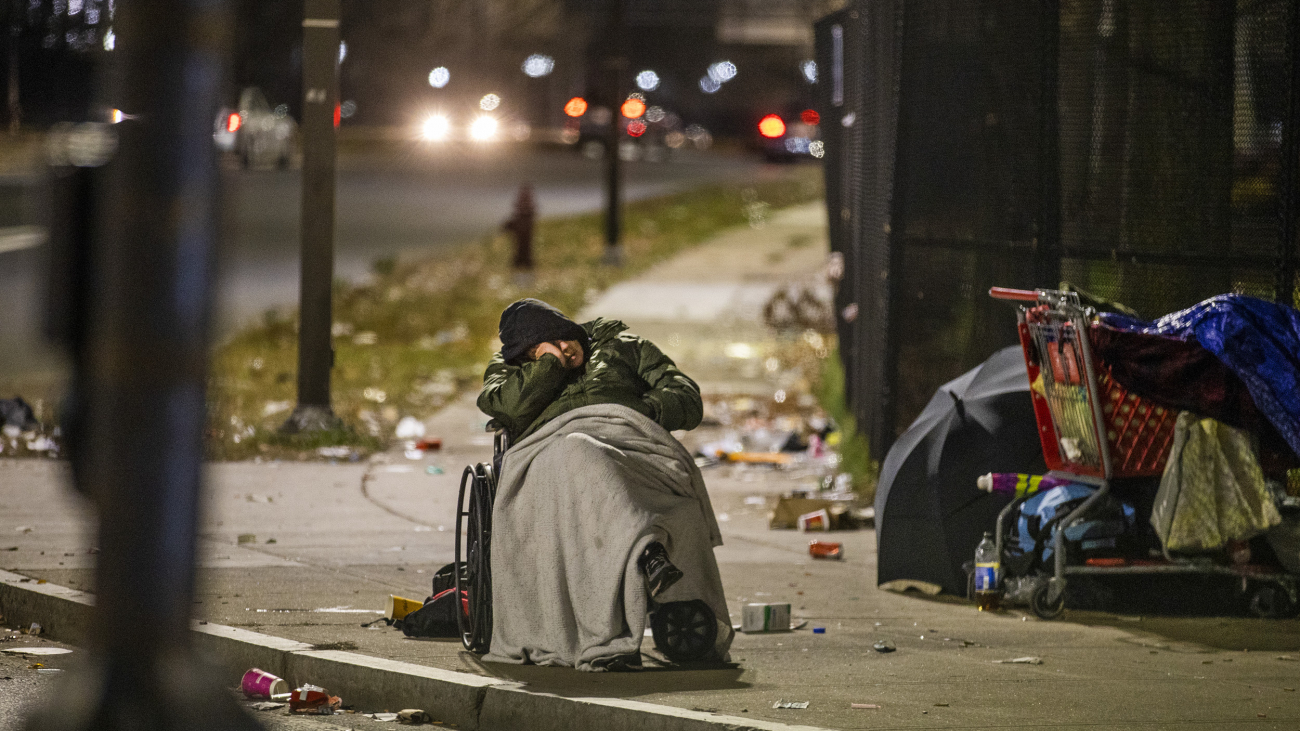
<point>333,540</point>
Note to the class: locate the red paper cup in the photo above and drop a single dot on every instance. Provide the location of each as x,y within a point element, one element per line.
<point>261,684</point>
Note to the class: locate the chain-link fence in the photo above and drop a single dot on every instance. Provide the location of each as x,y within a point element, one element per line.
<point>1145,152</point>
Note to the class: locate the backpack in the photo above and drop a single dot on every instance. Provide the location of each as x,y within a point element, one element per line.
<point>437,618</point>
<point>1033,535</point>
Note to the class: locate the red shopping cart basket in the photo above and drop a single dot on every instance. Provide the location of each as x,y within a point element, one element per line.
<point>1088,423</point>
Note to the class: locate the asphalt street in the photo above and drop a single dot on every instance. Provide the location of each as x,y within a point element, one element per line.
<point>398,200</point>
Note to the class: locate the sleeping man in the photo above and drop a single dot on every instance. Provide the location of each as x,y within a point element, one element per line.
<point>600,513</point>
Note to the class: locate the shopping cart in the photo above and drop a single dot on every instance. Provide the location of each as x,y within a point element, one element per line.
<point>1093,431</point>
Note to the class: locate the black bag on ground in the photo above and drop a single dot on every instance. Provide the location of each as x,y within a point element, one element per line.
<point>437,618</point>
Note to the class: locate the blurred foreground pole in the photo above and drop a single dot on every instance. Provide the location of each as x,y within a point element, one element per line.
<point>15,31</point>
<point>616,61</point>
<point>320,53</point>
<point>132,254</point>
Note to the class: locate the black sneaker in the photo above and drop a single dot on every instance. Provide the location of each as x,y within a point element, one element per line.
<point>660,573</point>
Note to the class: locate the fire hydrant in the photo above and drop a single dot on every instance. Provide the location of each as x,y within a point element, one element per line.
<point>520,225</point>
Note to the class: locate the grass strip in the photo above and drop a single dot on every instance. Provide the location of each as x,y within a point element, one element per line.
<point>418,333</point>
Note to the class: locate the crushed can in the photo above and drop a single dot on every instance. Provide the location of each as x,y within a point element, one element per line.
<point>765,618</point>
<point>825,550</point>
<point>258,683</point>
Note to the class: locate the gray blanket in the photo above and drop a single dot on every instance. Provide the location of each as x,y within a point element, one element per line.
<point>576,504</point>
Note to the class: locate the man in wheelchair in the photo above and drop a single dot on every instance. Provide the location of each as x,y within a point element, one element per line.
<point>600,516</point>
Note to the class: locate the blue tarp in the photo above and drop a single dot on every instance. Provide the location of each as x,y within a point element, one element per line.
<point>1257,339</point>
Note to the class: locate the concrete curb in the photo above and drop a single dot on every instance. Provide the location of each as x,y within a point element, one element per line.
<point>472,702</point>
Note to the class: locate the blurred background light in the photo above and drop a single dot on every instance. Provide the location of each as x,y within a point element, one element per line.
<point>655,114</point>
<point>538,65</point>
<point>439,77</point>
<point>633,108</point>
<point>343,50</point>
<point>771,126</point>
<point>708,85</point>
<point>647,80</point>
<point>809,69</point>
<point>483,128</point>
<point>576,107</point>
<point>636,128</point>
<point>816,148</point>
<point>489,102</point>
<point>810,116</point>
<point>347,109</point>
<point>722,71</point>
<point>435,128</point>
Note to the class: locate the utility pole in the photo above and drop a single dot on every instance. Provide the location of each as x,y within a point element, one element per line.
<point>320,91</point>
<point>133,246</point>
<point>616,68</point>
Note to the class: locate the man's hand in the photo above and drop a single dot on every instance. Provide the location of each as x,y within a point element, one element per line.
<point>543,348</point>
<point>569,352</point>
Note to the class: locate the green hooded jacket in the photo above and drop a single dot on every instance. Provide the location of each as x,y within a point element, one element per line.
<point>620,368</point>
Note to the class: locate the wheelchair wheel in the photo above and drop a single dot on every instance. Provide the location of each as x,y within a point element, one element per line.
<point>684,631</point>
<point>474,534</point>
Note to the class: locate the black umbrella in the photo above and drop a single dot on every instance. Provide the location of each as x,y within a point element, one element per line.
<point>930,515</point>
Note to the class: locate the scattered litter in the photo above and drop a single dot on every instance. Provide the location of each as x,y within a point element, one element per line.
<point>723,517</point>
<point>865,706</point>
<point>1027,660</point>
<point>410,428</point>
<point>271,408</point>
<point>414,454</point>
<point>23,529</point>
<point>11,548</point>
<point>335,452</point>
<point>398,468</point>
<point>48,671</point>
<point>267,706</point>
<point>756,500</point>
<point>795,705</point>
<point>382,716</point>
<point>246,538</point>
<point>819,630</point>
<point>398,607</point>
<point>37,651</point>
<point>346,610</point>
<point>414,716</point>
<point>315,700</point>
<point>798,625</point>
<point>1287,658</point>
<point>258,683</point>
<point>765,617</point>
<point>825,550</point>
<point>770,458</point>
<point>36,628</point>
<point>429,445</point>
<point>884,646</point>
<point>433,469</point>
<point>817,520</point>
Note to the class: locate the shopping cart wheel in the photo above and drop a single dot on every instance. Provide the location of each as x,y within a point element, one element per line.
<point>684,631</point>
<point>1040,606</point>
<point>1272,601</point>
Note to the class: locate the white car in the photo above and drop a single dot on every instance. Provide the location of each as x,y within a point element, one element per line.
<point>260,135</point>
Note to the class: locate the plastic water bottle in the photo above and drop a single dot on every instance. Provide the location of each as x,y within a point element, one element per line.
<point>987,594</point>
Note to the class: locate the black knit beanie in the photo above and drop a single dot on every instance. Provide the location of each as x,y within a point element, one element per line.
<point>530,321</point>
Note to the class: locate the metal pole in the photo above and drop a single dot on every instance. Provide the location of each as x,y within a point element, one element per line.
<point>617,67</point>
<point>320,48</point>
<point>141,250</point>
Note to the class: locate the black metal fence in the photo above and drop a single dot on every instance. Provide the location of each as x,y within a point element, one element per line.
<point>1145,152</point>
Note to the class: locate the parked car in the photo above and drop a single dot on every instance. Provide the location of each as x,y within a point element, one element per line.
<point>259,135</point>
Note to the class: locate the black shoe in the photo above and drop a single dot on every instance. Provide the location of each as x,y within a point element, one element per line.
<point>660,573</point>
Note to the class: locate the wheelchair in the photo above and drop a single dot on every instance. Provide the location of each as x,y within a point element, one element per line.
<point>683,631</point>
